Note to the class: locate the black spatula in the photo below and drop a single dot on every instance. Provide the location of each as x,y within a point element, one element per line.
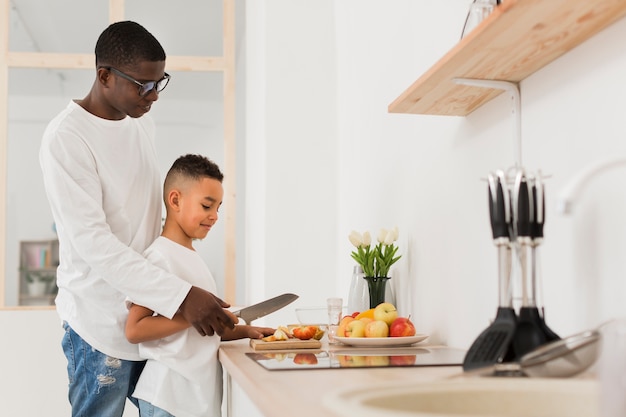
<point>536,233</point>
<point>528,334</point>
<point>493,345</point>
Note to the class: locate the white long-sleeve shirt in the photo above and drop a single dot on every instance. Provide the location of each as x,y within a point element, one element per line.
<point>104,188</point>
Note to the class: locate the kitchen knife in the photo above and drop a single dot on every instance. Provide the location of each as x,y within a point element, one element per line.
<point>266,307</point>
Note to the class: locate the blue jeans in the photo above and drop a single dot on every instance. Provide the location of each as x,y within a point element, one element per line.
<point>148,410</point>
<point>98,383</point>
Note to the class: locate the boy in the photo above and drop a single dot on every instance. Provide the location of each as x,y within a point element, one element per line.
<point>182,376</point>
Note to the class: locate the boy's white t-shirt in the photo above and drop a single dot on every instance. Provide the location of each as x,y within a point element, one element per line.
<point>182,375</point>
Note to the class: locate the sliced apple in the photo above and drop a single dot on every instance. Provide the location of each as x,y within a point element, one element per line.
<point>304,332</point>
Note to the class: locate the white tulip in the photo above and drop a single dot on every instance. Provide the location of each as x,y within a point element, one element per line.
<point>382,235</point>
<point>367,239</point>
<point>396,232</point>
<point>355,238</point>
<point>390,238</point>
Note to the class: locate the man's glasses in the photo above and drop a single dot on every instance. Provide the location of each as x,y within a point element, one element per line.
<point>144,88</point>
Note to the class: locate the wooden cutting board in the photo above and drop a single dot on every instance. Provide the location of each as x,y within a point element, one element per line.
<point>258,344</point>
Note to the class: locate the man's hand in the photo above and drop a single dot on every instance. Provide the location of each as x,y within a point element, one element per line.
<point>206,312</point>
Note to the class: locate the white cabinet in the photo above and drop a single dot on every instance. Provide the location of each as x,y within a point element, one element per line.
<point>236,402</point>
<point>37,272</point>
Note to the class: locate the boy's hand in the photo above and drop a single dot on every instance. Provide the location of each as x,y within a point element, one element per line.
<point>260,332</point>
<point>206,313</point>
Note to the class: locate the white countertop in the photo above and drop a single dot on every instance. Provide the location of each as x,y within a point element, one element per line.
<point>282,393</point>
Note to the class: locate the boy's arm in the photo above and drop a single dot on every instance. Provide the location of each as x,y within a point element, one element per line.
<point>245,331</point>
<point>143,326</point>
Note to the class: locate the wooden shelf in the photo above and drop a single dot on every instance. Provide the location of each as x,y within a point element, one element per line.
<point>517,39</point>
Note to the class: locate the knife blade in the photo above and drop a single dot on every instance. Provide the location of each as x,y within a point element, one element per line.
<point>266,307</point>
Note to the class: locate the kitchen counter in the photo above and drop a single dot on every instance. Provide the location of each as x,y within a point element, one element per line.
<point>282,393</point>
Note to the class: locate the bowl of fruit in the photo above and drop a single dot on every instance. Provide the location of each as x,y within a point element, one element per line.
<point>379,326</point>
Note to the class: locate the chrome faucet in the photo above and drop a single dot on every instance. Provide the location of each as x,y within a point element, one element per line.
<point>572,191</point>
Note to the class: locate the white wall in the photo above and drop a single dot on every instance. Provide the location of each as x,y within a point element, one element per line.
<point>292,150</point>
<point>425,173</point>
<point>325,157</point>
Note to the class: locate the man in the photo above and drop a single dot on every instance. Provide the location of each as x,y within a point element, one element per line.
<point>102,180</point>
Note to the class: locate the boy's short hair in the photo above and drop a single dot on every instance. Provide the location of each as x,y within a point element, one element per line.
<point>194,167</point>
<point>123,44</point>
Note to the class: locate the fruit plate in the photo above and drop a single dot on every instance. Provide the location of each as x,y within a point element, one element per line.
<point>381,341</point>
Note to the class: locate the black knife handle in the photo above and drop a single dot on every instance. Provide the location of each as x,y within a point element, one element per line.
<point>523,209</point>
<point>497,209</point>
<point>539,210</point>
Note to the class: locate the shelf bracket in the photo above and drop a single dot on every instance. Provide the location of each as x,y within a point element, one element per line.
<point>513,89</point>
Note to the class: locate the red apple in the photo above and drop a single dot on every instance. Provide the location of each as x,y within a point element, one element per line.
<point>304,332</point>
<point>376,328</point>
<point>401,327</point>
<point>305,359</point>
<point>356,313</point>
<point>402,360</point>
<point>386,312</point>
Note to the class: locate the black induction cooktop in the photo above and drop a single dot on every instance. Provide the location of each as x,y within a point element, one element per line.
<point>350,358</point>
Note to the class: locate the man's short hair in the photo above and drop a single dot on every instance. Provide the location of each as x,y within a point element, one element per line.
<point>124,44</point>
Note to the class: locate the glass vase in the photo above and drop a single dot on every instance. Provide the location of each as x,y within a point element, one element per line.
<point>376,286</point>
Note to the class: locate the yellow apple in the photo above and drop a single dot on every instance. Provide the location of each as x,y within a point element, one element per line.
<point>349,361</point>
<point>355,328</point>
<point>341,330</point>
<point>386,312</point>
<point>365,320</point>
<point>376,328</point>
<point>378,360</point>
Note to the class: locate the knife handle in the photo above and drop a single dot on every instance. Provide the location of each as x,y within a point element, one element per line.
<point>539,210</point>
<point>498,208</point>
<point>523,206</point>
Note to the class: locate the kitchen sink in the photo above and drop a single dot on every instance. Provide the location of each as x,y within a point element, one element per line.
<point>479,396</point>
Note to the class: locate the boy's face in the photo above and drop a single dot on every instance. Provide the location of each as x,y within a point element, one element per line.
<point>199,205</point>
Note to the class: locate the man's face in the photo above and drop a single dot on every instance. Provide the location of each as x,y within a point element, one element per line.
<point>123,94</point>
